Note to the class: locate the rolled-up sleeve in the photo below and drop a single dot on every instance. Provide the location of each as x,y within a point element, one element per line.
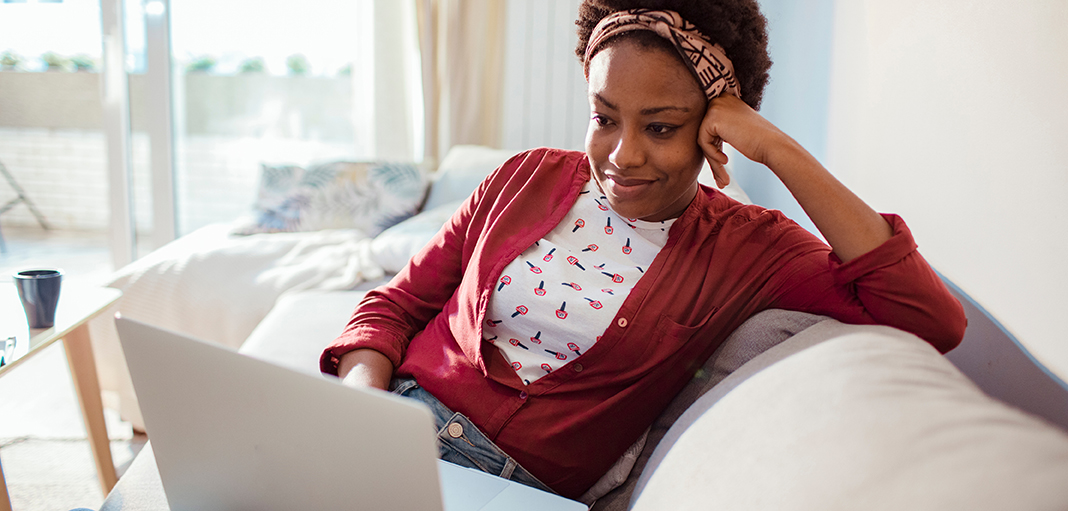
<point>890,285</point>
<point>390,315</point>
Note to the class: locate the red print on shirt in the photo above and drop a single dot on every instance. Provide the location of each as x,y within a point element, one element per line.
<point>559,356</point>
<point>547,368</point>
<point>517,366</point>
<point>549,257</point>
<point>572,285</point>
<point>537,338</point>
<point>505,280</point>
<point>600,206</point>
<point>534,269</point>
<point>608,228</point>
<point>591,248</point>
<point>575,262</point>
<point>594,303</point>
<point>617,278</point>
<point>626,248</point>
<point>574,347</point>
<point>515,342</point>
<point>580,223</point>
<point>521,310</point>
<point>540,290</point>
<point>560,313</point>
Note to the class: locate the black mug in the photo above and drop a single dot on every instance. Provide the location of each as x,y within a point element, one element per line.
<point>39,292</point>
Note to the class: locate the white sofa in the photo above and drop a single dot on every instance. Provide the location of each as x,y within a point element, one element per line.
<point>834,417</point>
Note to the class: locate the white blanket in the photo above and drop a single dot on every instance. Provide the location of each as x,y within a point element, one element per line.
<point>217,288</point>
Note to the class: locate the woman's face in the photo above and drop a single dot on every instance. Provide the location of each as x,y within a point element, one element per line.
<point>646,109</point>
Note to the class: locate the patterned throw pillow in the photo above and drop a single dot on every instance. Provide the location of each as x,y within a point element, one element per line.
<point>337,195</point>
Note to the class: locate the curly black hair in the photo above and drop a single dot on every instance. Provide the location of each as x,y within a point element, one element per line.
<point>736,25</point>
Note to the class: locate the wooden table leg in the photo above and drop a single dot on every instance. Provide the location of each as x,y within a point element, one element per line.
<point>5,501</point>
<point>83,371</point>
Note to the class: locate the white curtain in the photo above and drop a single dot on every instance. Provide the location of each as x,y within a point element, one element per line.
<point>432,70</point>
<point>461,42</point>
<point>387,82</point>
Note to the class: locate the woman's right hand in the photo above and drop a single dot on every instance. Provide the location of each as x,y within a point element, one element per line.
<point>365,368</point>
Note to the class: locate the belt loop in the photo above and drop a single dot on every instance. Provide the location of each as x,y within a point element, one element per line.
<point>509,467</point>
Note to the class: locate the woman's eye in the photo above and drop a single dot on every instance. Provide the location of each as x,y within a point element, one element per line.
<point>601,120</point>
<point>661,129</point>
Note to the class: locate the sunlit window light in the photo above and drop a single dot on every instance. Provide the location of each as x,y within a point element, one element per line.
<point>154,8</point>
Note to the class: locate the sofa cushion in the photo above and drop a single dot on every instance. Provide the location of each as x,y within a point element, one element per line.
<point>300,327</point>
<point>854,417</point>
<point>395,246</point>
<point>461,171</point>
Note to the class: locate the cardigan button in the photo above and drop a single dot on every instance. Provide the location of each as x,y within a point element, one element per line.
<point>577,368</point>
<point>622,322</point>
<point>523,395</point>
<point>456,430</point>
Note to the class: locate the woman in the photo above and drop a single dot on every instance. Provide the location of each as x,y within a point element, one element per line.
<point>573,295</point>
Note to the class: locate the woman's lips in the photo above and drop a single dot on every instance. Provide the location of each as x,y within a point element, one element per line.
<point>627,188</point>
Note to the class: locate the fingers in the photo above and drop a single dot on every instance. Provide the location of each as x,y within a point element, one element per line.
<point>715,152</point>
<point>719,172</point>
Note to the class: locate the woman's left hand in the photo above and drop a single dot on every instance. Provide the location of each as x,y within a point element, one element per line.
<point>849,225</point>
<point>729,119</point>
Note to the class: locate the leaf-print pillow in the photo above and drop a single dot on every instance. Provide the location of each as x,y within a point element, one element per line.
<point>369,196</point>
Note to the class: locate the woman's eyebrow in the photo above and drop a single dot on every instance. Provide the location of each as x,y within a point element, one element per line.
<point>600,99</point>
<point>646,111</point>
<point>656,110</point>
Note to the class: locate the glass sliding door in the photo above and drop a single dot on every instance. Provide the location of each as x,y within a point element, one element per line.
<point>259,84</point>
<point>52,144</point>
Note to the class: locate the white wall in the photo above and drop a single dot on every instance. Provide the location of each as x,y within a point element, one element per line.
<point>955,114</point>
<point>800,43</point>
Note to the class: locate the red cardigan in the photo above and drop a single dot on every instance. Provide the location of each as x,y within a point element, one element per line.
<point>723,262</point>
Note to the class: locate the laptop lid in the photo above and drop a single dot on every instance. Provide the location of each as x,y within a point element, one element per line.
<point>233,432</point>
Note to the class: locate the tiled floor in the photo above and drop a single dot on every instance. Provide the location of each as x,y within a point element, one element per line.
<point>46,458</point>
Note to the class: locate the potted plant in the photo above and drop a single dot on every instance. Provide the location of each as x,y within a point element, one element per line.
<point>252,65</point>
<point>55,61</point>
<point>297,64</point>
<point>10,61</point>
<point>202,64</point>
<point>83,62</point>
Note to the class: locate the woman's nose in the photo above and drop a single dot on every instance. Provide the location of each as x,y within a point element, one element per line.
<point>628,152</point>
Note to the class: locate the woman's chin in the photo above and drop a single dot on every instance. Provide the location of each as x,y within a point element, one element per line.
<point>629,210</point>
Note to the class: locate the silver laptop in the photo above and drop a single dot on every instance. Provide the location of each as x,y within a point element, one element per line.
<point>230,432</point>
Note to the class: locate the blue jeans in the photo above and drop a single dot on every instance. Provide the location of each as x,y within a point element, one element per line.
<point>460,442</point>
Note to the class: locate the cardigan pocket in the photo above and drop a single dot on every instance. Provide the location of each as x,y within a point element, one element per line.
<point>671,335</point>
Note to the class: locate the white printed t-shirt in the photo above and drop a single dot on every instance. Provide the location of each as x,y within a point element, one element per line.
<point>554,301</point>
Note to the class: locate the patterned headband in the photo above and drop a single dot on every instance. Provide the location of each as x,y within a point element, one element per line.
<point>707,61</point>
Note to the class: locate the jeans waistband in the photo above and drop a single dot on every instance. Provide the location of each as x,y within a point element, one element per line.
<point>463,443</point>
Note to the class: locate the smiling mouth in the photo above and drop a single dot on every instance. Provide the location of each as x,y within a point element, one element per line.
<point>621,181</point>
<point>626,188</point>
